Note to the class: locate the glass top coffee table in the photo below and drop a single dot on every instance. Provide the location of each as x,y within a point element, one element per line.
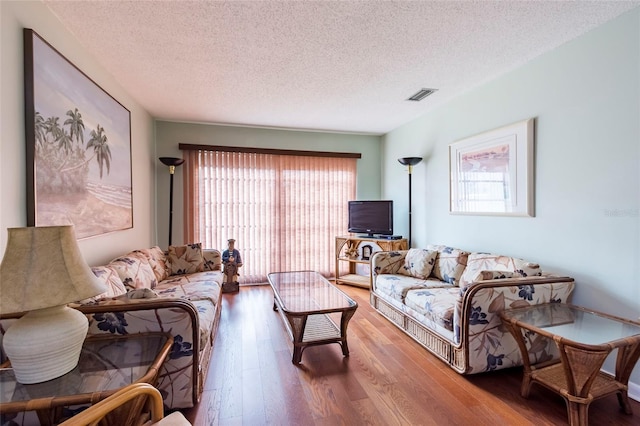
<point>306,302</point>
<point>584,339</point>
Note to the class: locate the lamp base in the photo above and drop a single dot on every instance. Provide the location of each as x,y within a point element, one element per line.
<point>46,343</point>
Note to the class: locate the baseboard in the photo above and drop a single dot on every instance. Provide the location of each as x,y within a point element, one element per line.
<point>634,391</point>
<point>634,388</point>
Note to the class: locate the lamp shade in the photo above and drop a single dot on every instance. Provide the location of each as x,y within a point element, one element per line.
<point>43,267</point>
<point>409,161</point>
<point>171,161</point>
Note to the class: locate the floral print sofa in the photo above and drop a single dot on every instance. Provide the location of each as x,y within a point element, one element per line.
<point>449,300</point>
<point>182,297</point>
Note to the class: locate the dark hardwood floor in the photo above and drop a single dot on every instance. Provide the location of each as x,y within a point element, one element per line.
<point>387,380</point>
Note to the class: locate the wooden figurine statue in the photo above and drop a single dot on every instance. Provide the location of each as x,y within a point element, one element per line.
<point>232,261</point>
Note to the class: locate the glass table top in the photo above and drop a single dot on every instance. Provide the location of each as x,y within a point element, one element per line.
<point>106,363</point>
<point>308,291</point>
<point>573,323</point>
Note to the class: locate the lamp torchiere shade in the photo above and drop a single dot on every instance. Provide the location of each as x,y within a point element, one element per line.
<point>409,162</point>
<point>42,270</point>
<point>172,162</point>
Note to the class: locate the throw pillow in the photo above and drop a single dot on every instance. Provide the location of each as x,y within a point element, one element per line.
<point>157,261</point>
<point>419,263</point>
<point>134,270</point>
<point>186,259</point>
<point>450,263</point>
<point>110,278</point>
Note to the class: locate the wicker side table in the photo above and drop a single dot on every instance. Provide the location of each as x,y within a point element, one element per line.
<point>584,339</point>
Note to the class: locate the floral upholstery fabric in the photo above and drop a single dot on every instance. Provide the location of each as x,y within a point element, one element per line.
<point>202,291</point>
<point>438,304</point>
<point>492,275</point>
<point>110,278</point>
<point>134,271</point>
<point>186,259</point>
<point>158,262</point>
<point>457,316</point>
<point>197,286</point>
<point>396,286</point>
<point>450,263</point>
<point>388,262</point>
<point>419,263</point>
<point>490,345</point>
<point>477,262</point>
<point>212,260</point>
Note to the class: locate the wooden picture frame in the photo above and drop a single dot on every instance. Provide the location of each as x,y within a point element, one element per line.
<point>78,146</point>
<point>493,173</point>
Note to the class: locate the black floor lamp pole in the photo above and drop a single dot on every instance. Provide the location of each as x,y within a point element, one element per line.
<point>172,163</point>
<point>409,162</point>
<point>171,204</point>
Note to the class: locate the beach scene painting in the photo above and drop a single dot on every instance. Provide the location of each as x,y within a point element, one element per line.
<point>78,147</point>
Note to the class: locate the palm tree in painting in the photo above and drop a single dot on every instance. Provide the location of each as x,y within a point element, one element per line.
<point>76,126</point>
<point>64,142</point>
<point>101,149</point>
<point>40,130</point>
<point>53,127</point>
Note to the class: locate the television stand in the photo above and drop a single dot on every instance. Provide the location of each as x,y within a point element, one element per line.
<point>356,251</point>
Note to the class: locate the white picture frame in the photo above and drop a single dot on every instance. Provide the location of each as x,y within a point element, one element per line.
<point>492,173</point>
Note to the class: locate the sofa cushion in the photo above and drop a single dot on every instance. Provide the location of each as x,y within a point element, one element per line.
<point>436,304</point>
<point>111,280</point>
<point>397,286</point>
<point>478,262</point>
<point>450,263</point>
<point>186,259</point>
<point>158,262</point>
<point>134,271</point>
<point>197,286</point>
<point>419,263</point>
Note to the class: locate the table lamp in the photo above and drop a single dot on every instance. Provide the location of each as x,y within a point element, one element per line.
<point>42,270</point>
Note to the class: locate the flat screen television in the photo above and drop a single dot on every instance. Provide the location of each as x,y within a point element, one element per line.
<point>371,217</point>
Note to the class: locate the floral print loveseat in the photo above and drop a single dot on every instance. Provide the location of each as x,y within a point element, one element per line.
<point>449,300</point>
<point>182,297</point>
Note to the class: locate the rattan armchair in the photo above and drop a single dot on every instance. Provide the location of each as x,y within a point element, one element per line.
<point>146,400</point>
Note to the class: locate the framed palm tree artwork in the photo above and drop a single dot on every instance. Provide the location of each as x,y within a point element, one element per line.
<point>78,146</point>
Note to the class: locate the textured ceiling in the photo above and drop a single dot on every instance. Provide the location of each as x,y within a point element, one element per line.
<point>336,66</point>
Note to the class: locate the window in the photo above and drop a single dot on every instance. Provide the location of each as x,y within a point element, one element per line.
<point>283,210</point>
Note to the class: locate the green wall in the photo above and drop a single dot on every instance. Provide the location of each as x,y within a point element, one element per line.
<point>585,97</point>
<point>170,134</point>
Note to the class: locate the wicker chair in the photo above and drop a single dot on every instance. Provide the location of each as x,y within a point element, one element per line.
<point>146,400</point>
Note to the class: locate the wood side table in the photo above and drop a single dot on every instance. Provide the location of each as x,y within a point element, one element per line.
<point>584,339</point>
<point>107,363</point>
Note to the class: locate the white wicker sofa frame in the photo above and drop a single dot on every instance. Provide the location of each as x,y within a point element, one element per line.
<point>453,311</point>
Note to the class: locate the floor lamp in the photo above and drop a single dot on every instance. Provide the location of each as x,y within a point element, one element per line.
<point>172,163</point>
<point>409,162</point>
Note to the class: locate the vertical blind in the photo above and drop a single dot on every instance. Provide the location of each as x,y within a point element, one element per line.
<point>283,210</point>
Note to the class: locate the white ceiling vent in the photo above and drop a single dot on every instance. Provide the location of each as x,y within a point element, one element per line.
<point>421,94</point>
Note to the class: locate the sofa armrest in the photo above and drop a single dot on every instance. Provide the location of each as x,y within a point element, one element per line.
<point>477,320</point>
<point>177,317</point>
<point>212,260</point>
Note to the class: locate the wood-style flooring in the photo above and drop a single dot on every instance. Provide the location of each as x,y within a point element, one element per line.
<point>388,379</point>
